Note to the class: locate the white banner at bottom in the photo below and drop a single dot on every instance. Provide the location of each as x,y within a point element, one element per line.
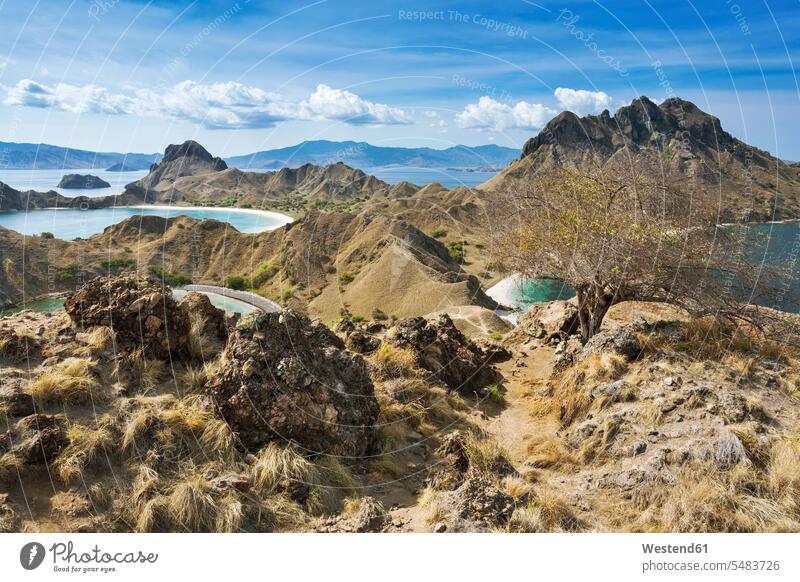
<point>388,557</point>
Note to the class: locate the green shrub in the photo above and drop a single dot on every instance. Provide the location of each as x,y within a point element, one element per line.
<point>263,274</point>
<point>236,282</point>
<point>172,279</point>
<point>439,233</point>
<point>457,252</point>
<point>47,235</point>
<point>118,262</point>
<point>346,278</point>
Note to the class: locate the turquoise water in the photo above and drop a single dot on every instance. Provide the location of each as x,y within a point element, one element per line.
<point>71,223</point>
<point>52,304</point>
<point>776,246</point>
<point>422,176</point>
<point>538,291</point>
<point>45,180</point>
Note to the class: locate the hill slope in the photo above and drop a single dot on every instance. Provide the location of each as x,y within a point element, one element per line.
<point>750,183</point>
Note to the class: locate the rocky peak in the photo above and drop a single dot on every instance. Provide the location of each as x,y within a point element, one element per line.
<point>192,149</point>
<point>640,124</point>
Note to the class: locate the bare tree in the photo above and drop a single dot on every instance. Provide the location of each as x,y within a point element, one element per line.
<point>631,229</point>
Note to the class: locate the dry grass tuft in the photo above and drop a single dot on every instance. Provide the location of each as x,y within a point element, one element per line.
<point>277,467</point>
<point>85,445</point>
<point>193,379</point>
<point>98,340</point>
<point>147,371</point>
<point>548,452</point>
<point>71,381</point>
<point>200,345</point>
<point>547,512</point>
<point>391,362</point>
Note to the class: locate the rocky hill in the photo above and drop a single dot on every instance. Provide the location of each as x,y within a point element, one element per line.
<point>12,199</point>
<point>82,181</point>
<point>750,183</point>
<point>131,412</point>
<point>327,263</point>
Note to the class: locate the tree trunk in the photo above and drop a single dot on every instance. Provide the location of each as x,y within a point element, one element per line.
<point>593,303</point>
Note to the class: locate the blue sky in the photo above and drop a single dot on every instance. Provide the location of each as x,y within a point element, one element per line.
<point>240,76</point>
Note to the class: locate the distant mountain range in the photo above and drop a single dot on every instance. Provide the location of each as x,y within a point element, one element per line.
<point>24,156</point>
<point>29,156</point>
<point>364,155</point>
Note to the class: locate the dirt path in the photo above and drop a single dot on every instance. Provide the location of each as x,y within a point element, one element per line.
<point>509,423</point>
<point>513,425</point>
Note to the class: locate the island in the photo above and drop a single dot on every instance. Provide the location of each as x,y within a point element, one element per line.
<point>82,182</point>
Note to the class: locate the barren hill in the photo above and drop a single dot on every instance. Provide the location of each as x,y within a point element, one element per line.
<point>750,183</point>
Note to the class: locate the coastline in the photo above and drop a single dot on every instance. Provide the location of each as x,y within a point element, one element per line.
<point>284,218</point>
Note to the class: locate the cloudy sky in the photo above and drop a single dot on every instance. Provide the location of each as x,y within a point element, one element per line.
<point>241,76</point>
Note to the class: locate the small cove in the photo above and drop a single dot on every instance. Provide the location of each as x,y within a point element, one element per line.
<point>72,223</point>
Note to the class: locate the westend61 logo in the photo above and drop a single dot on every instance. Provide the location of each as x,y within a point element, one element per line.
<point>66,559</point>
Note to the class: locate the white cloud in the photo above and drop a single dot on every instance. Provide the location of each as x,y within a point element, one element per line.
<point>217,106</point>
<point>228,105</point>
<point>490,114</point>
<point>582,102</point>
<point>329,103</point>
<point>85,99</point>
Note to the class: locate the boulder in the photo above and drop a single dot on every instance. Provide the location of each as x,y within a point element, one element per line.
<point>288,380</point>
<point>478,500</point>
<point>617,340</point>
<point>200,306</point>
<point>142,313</point>
<point>371,516</point>
<point>18,348</point>
<point>15,402</point>
<point>546,321</point>
<point>443,350</point>
<point>47,438</point>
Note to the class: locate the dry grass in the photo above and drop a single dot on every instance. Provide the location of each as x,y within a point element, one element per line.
<point>548,452</point>
<point>547,512</point>
<point>147,371</point>
<point>485,455</point>
<point>783,473</point>
<point>391,362</point>
<point>85,446</point>
<point>705,499</point>
<point>98,340</point>
<point>516,487</point>
<point>193,379</point>
<point>10,466</point>
<point>175,424</point>
<point>71,381</point>
<point>277,466</point>
<point>200,345</point>
<point>573,391</point>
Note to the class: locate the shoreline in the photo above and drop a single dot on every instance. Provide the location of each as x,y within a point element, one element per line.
<point>284,218</point>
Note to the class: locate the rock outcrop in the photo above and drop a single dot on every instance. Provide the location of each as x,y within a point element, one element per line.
<point>142,314</point>
<point>288,380</point>
<point>82,182</point>
<point>440,348</point>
